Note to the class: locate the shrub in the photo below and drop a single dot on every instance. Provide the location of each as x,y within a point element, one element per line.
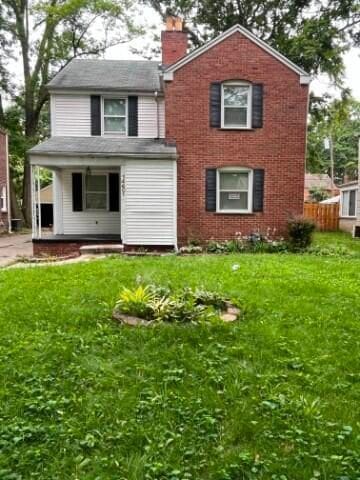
<point>136,302</point>
<point>159,304</point>
<point>300,232</point>
<point>330,251</point>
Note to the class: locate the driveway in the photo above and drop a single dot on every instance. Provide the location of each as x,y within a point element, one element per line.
<point>13,245</point>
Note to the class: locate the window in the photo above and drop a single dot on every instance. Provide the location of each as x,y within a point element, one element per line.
<point>96,192</point>
<point>3,200</point>
<point>234,191</point>
<point>236,105</point>
<point>115,116</point>
<point>348,203</point>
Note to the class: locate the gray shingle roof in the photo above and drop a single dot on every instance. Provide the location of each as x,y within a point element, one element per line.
<point>101,146</point>
<point>129,75</point>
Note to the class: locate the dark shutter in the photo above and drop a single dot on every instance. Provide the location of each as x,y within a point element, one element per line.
<point>210,188</point>
<point>257,105</point>
<point>114,192</point>
<point>215,104</point>
<point>77,192</point>
<point>133,116</point>
<point>258,190</point>
<point>95,115</point>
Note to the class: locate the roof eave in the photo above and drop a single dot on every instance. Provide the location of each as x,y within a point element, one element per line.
<point>305,78</point>
<point>158,156</point>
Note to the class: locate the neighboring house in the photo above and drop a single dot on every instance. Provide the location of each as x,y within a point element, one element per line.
<point>46,202</point>
<point>349,206</point>
<point>4,183</point>
<point>204,145</point>
<point>321,181</point>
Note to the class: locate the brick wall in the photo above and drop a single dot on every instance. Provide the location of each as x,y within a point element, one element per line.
<point>3,179</point>
<point>278,147</point>
<point>173,46</point>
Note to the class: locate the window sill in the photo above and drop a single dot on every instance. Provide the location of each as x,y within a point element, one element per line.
<point>352,217</point>
<point>233,213</point>
<point>236,129</point>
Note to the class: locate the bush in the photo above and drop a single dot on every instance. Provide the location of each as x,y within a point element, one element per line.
<point>159,304</point>
<point>330,251</point>
<point>300,232</point>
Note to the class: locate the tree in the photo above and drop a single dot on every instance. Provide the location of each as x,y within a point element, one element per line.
<point>318,194</point>
<point>46,36</point>
<point>312,34</point>
<point>339,121</point>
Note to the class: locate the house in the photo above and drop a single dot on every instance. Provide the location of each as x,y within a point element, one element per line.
<point>350,207</point>
<point>46,204</point>
<point>5,223</point>
<point>203,145</point>
<point>321,181</point>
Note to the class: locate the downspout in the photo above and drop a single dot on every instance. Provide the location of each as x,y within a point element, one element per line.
<point>156,95</point>
<point>8,181</point>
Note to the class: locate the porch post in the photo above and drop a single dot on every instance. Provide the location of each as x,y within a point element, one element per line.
<point>33,204</point>
<point>39,201</point>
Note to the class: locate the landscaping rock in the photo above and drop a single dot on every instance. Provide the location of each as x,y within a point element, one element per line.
<point>228,317</point>
<point>129,320</point>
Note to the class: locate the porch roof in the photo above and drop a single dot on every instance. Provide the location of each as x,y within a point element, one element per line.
<point>104,147</point>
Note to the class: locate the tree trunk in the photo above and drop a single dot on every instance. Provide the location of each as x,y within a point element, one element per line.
<point>15,208</point>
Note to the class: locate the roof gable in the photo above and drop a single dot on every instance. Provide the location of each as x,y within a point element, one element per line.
<point>304,76</point>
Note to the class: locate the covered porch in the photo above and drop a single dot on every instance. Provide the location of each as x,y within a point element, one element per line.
<point>103,198</point>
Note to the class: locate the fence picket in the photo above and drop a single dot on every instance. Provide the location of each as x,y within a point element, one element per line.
<point>326,216</point>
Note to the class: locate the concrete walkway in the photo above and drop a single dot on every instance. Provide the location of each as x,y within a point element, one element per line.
<point>14,245</point>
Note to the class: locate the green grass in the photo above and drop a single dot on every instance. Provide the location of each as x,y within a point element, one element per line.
<point>275,396</point>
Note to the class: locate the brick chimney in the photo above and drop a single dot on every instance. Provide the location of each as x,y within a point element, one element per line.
<point>173,41</point>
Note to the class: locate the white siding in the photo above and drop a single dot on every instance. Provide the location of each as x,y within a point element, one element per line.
<point>86,222</point>
<point>149,210</point>
<point>70,115</point>
<point>147,117</point>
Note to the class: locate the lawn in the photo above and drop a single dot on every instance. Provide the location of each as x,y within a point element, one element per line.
<point>275,396</point>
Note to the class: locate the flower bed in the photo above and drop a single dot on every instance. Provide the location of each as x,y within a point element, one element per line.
<point>150,304</point>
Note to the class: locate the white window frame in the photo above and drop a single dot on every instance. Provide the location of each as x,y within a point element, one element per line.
<point>102,174</point>
<point>348,189</point>
<point>249,106</point>
<point>4,199</point>
<point>249,191</point>
<point>113,133</point>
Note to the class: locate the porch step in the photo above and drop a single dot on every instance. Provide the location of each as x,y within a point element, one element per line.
<point>99,249</point>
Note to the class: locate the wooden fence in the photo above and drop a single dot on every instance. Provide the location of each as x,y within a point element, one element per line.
<point>326,216</point>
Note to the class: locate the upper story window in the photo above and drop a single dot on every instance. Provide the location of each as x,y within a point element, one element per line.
<point>348,203</point>
<point>234,194</point>
<point>236,105</point>
<point>114,116</point>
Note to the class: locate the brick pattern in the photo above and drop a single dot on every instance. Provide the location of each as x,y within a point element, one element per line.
<point>278,147</point>
<point>174,46</point>
<point>63,249</point>
<point>3,179</point>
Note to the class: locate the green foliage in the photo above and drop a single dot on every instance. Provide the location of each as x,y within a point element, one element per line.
<point>160,304</point>
<point>136,302</point>
<point>257,242</point>
<point>312,34</point>
<point>274,396</point>
<point>300,232</point>
<point>340,121</point>
<point>318,194</point>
